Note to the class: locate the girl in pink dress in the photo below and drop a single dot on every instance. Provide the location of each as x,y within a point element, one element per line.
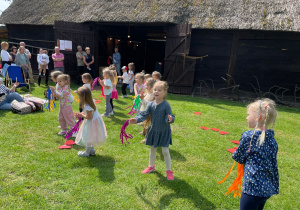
<point>92,132</point>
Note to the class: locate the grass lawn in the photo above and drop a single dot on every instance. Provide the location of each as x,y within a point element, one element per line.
<point>35,174</point>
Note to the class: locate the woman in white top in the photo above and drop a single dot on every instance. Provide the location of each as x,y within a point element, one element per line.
<point>5,57</point>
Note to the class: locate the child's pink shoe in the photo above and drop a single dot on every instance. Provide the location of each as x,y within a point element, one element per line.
<point>170,175</point>
<point>148,170</point>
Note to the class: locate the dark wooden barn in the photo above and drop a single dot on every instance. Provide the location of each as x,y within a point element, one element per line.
<point>224,41</point>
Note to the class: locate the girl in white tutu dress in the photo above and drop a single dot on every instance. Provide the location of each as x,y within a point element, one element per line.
<point>92,132</point>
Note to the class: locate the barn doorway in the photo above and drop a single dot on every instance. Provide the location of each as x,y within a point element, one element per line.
<point>143,45</point>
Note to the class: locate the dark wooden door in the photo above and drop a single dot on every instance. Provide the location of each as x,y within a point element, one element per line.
<point>179,69</point>
<point>80,34</point>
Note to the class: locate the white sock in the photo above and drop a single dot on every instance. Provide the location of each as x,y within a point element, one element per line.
<point>39,73</point>
<point>167,157</point>
<point>152,156</point>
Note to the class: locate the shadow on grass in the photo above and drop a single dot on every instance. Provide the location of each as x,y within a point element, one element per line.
<point>105,165</point>
<point>181,189</point>
<point>174,155</point>
<point>119,102</point>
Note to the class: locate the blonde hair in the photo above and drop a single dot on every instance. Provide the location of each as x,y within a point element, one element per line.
<point>162,84</point>
<point>133,67</point>
<point>88,77</point>
<point>147,76</point>
<point>4,44</point>
<point>55,74</point>
<point>112,67</point>
<point>115,75</point>
<point>156,74</point>
<point>150,82</point>
<point>266,108</point>
<point>64,77</point>
<point>110,75</point>
<point>45,51</point>
<point>140,75</point>
<point>21,47</point>
<point>85,97</point>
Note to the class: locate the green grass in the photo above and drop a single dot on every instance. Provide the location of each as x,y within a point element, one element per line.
<point>35,174</point>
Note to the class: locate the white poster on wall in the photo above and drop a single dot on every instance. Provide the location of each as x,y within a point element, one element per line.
<point>68,45</point>
<point>64,45</point>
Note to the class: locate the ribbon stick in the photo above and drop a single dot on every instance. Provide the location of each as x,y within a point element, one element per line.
<point>94,83</point>
<point>74,129</point>
<point>136,106</point>
<point>76,98</point>
<point>51,104</point>
<point>123,133</point>
<point>236,185</point>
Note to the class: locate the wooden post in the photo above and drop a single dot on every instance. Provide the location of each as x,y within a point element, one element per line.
<point>234,46</point>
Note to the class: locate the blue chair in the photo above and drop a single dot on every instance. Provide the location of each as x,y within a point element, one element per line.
<point>14,74</point>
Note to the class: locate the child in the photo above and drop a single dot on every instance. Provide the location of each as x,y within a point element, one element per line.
<point>139,86</point>
<point>147,76</point>
<point>54,76</point>
<point>125,78</point>
<point>131,69</point>
<point>107,88</point>
<point>87,80</point>
<point>258,152</point>
<point>146,98</point>
<point>66,115</point>
<point>115,94</point>
<point>156,75</point>
<point>93,130</point>
<point>159,134</point>
<point>43,60</point>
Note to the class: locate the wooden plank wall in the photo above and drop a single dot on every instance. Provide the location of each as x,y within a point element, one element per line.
<point>80,34</point>
<point>272,56</point>
<point>39,36</point>
<point>217,45</point>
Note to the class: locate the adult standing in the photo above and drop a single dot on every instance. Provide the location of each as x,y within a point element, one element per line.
<point>117,60</point>
<point>80,64</point>
<point>58,60</point>
<point>5,57</point>
<point>23,61</point>
<point>8,95</point>
<point>89,62</point>
<point>43,61</point>
<point>13,53</point>
<point>27,52</point>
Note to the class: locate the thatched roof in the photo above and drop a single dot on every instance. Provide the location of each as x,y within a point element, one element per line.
<point>217,14</point>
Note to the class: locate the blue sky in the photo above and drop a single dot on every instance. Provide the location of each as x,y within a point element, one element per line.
<point>3,5</point>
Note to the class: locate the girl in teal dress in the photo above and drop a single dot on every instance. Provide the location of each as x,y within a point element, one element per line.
<point>159,134</point>
<point>92,132</point>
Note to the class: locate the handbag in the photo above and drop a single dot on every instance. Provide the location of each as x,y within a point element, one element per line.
<point>20,107</point>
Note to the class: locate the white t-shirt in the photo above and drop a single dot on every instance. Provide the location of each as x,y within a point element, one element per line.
<point>42,57</point>
<point>87,85</point>
<point>125,78</point>
<point>131,74</point>
<point>4,55</point>
<point>107,82</point>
